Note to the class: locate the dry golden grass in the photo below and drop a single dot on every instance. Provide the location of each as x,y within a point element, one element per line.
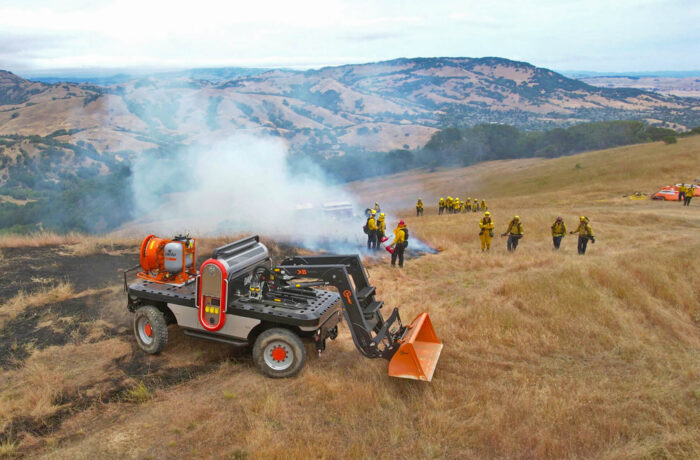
<point>35,389</point>
<point>38,239</point>
<point>547,354</point>
<point>22,300</point>
<point>76,244</point>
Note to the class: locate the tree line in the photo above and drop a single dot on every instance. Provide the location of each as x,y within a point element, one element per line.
<point>455,147</point>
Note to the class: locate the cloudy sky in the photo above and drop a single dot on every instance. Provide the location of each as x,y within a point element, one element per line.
<point>599,35</point>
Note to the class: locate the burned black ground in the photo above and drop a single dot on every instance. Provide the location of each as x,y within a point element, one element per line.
<point>27,269</point>
<point>98,303</point>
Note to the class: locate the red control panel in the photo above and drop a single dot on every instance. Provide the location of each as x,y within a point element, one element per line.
<point>212,290</point>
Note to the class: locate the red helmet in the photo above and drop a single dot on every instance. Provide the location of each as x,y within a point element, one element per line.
<point>401,222</point>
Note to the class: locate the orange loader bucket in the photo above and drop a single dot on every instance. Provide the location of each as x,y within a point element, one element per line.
<point>418,355</point>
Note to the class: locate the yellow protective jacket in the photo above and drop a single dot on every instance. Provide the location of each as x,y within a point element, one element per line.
<point>558,228</point>
<point>381,224</point>
<point>682,189</point>
<point>371,224</point>
<point>584,229</point>
<point>456,203</point>
<point>419,204</point>
<point>486,223</point>
<point>690,191</point>
<point>441,202</point>
<point>483,205</point>
<point>399,234</point>
<point>515,227</point>
<point>448,202</point>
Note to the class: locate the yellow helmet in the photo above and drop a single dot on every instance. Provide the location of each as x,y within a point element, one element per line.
<point>487,214</point>
<point>583,218</point>
<point>374,211</point>
<point>516,217</point>
<point>381,214</point>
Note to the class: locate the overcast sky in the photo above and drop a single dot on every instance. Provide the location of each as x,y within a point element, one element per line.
<point>599,35</point>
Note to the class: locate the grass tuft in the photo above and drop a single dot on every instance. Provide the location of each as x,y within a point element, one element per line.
<point>8,448</point>
<point>138,394</point>
<point>58,292</point>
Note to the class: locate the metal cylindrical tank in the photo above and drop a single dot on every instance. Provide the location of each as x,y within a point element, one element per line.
<point>173,254</point>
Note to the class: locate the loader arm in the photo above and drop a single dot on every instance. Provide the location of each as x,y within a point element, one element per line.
<point>373,336</point>
<point>413,350</point>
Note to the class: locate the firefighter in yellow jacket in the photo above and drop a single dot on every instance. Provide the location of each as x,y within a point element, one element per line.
<point>486,226</point>
<point>372,228</point>
<point>682,189</point>
<point>558,231</point>
<point>400,243</point>
<point>456,205</point>
<point>448,204</point>
<point>585,233</point>
<point>441,206</point>
<point>475,206</point>
<point>689,193</point>
<point>514,232</point>
<point>468,204</point>
<point>483,206</point>
<point>381,229</point>
<point>419,207</point>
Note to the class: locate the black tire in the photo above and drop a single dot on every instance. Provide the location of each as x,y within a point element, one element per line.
<point>150,319</point>
<point>277,343</point>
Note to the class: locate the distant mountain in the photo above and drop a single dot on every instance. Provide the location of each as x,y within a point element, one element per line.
<point>674,86</point>
<point>580,74</point>
<point>100,77</point>
<point>379,106</point>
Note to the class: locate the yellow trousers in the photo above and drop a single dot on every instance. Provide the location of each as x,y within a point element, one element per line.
<point>485,240</point>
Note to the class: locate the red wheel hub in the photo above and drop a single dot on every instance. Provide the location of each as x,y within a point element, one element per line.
<point>279,354</point>
<point>147,329</point>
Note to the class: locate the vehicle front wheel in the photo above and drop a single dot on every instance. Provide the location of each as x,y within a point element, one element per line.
<point>150,329</point>
<point>279,353</point>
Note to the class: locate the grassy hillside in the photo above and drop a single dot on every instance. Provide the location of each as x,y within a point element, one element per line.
<point>547,354</point>
<point>583,178</point>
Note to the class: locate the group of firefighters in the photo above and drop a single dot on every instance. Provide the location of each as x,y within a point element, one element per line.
<point>515,232</point>
<point>375,228</point>
<point>451,205</point>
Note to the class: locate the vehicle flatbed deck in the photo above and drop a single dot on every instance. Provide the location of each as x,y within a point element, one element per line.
<point>295,307</point>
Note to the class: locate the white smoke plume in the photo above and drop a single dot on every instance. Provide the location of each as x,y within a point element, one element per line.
<point>244,185</point>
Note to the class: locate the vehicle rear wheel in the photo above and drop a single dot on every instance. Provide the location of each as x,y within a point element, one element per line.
<point>279,353</point>
<point>150,329</point>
